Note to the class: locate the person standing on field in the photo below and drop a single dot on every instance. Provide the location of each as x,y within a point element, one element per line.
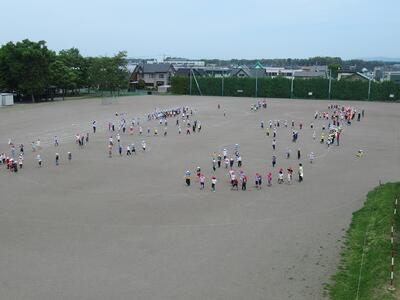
<point>202,181</point>
<point>213,183</point>
<point>301,172</point>
<point>187,178</point>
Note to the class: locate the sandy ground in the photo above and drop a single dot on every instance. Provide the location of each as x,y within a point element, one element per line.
<point>128,228</point>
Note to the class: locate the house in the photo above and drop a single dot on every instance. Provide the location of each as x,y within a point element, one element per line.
<point>153,75</point>
<point>245,71</point>
<point>352,76</point>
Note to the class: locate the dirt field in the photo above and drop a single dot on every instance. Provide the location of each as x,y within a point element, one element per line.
<point>128,228</point>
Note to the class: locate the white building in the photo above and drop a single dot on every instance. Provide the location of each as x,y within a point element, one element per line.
<point>183,62</point>
<point>6,99</point>
<point>276,71</point>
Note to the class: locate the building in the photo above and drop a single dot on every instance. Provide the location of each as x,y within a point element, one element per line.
<point>6,99</point>
<point>185,72</point>
<point>217,71</point>
<point>153,75</point>
<point>392,76</point>
<point>245,71</point>
<point>311,72</point>
<point>352,76</point>
<point>183,62</point>
<point>278,71</point>
<point>378,73</point>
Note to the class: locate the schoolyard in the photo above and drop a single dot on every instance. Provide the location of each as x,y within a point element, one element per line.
<point>128,228</point>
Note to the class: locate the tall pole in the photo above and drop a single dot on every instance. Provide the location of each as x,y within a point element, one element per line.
<point>190,79</point>
<point>330,83</point>
<point>256,83</point>
<point>291,87</point>
<point>369,89</point>
<point>222,87</point>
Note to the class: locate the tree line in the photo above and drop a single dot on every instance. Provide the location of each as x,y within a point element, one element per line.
<point>30,70</point>
<point>357,64</point>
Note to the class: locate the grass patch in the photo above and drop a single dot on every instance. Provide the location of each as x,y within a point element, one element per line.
<point>369,233</point>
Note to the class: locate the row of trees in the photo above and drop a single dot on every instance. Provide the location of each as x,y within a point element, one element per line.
<point>281,87</point>
<point>30,69</point>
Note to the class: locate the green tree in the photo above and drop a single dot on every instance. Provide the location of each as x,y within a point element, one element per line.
<point>334,68</point>
<point>62,76</point>
<point>77,64</point>
<point>108,73</point>
<point>24,67</point>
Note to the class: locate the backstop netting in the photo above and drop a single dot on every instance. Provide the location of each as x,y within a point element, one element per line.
<point>108,100</point>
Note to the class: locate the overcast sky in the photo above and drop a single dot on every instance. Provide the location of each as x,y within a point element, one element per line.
<point>209,28</point>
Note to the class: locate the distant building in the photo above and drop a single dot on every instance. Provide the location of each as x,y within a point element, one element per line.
<point>186,72</point>
<point>245,71</point>
<point>217,71</point>
<point>352,76</point>
<point>311,72</point>
<point>392,76</point>
<point>183,62</point>
<point>153,75</point>
<point>276,71</point>
<point>378,73</point>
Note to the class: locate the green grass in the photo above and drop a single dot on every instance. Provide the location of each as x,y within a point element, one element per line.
<point>371,226</point>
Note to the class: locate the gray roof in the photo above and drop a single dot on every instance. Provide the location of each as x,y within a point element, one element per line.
<point>186,72</point>
<point>258,72</point>
<point>316,68</point>
<point>155,68</point>
<point>255,72</point>
<point>309,74</point>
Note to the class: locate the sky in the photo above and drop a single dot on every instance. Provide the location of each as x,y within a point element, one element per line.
<point>221,29</point>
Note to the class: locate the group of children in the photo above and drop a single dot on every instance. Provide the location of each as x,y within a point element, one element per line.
<point>336,117</point>
<point>15,160</point>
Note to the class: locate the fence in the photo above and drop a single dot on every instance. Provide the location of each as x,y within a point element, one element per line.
<point>280,87</point>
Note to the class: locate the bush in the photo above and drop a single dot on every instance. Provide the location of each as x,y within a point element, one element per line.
<point>141,84</point>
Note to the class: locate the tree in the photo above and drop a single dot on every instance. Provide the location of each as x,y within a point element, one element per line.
<point>334,68</point>
<point>62,76</point>
<point>77,64</point>
<point>24,67</point>
<point>109,73</point>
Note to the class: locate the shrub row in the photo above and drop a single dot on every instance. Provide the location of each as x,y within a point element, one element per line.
<point>280,87</point>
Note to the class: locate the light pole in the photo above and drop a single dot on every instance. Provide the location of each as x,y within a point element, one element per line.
<point>369,89</point>
<point>190,80</point>
<point>222,86</point>
<point>256,83</point>
<point>291,87</point>
<point>330,84</point>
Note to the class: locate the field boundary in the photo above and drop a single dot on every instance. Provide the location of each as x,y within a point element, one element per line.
<point>366,270</point>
